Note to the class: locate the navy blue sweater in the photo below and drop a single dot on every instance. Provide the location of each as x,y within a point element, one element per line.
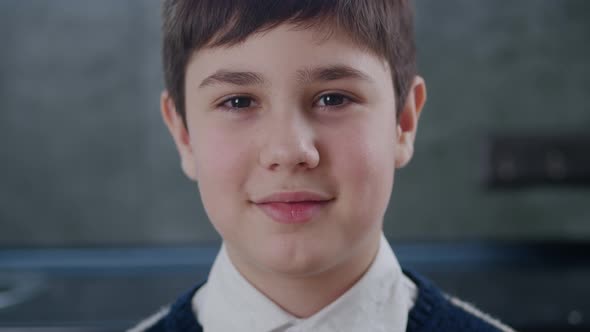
<point>432,312</point>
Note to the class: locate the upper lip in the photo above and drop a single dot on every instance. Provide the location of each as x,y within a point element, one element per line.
<point>293,196</point>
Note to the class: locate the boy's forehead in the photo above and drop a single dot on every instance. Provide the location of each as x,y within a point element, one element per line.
<point>322,45</point>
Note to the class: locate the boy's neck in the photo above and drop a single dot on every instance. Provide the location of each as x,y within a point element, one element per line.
<point>302,297</point>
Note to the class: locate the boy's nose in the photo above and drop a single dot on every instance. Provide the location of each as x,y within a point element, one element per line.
<point>289,144</point>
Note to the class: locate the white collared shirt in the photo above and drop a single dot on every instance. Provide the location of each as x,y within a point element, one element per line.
<point>380,301</point>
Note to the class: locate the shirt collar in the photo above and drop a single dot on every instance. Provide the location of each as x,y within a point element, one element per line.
<point>381,300</point>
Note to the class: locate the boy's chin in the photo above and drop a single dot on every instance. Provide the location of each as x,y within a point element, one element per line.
<point>297,262</point>
<point>296,269</point>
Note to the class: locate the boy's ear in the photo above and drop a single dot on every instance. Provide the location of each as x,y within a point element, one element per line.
<point>180,134</point>
<point>408,122</point>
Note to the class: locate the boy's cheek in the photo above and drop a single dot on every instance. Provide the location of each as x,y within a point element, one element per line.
<point>366,165</point>
<point>217,151</point>
<point>217,167</point>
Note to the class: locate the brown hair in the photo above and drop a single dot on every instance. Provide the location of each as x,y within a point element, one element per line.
<point>384,27</point>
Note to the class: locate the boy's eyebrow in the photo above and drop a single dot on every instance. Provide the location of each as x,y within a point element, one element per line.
<point>240,78</point>
<point>304,76</point>
<point>331,73</point>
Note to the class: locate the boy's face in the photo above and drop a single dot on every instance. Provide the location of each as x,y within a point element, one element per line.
<point>293,114</point>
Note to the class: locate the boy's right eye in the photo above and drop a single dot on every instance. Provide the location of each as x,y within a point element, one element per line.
<point>237,102</point>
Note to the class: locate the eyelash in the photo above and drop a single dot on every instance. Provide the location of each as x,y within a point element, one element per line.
<point>346,100</point>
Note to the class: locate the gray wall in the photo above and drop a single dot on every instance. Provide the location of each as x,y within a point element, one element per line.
<point>85,159</point>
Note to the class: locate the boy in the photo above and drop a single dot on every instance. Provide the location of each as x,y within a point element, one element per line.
<point>292,116</point>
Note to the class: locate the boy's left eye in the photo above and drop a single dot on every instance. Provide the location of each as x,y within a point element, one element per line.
<point>332,99</point>
<point>238,102</point>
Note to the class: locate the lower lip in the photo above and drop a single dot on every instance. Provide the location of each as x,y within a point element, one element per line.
<point>292,213</point>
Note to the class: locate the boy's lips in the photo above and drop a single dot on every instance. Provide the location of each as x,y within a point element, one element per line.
<point>293,207</point>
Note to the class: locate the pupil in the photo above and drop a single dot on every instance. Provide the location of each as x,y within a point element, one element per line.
<point>240,102</point>
<point>333,100</point>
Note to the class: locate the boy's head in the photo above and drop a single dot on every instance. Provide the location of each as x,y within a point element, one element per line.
<point>292,117</point>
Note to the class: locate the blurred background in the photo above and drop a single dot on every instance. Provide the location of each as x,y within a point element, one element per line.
<point>98,227</point>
